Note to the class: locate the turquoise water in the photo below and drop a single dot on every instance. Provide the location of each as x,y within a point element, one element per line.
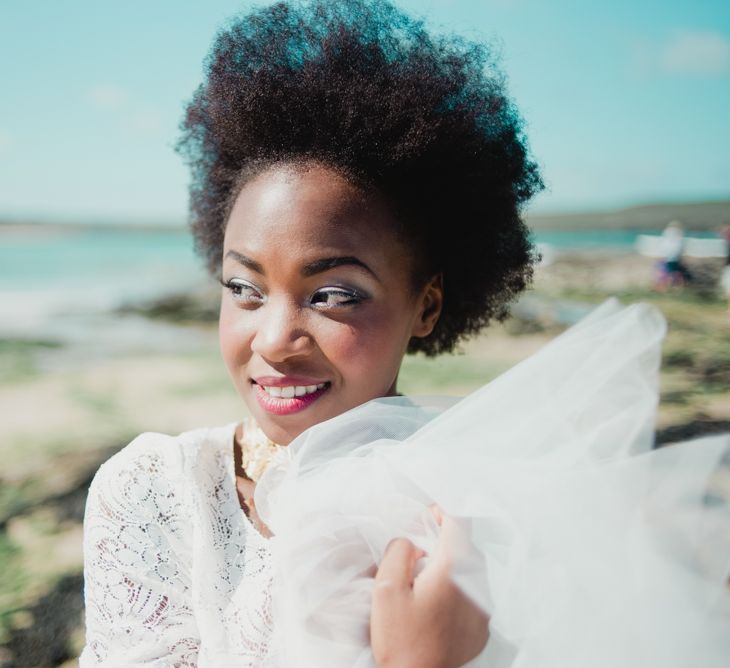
<point>60,270</point>
<point>48,275</point>
<point>37,258</point>
<point>596,239</point>
<point>63,283</point>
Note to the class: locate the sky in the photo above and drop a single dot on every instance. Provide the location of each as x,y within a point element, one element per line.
<point>624,102</point>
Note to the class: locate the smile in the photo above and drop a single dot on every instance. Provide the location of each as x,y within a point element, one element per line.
<point>288,399</point>
<point>290,391</point>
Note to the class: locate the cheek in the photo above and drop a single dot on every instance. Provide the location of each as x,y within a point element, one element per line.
<point>370,349</point>
<point>234,341</point>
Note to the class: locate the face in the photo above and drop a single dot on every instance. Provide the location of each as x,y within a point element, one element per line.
<point>318,300</point>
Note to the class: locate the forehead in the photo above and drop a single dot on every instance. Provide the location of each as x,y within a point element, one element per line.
<point>309,209</point>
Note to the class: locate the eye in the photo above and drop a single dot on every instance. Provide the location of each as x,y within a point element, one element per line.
<point>242,291</point>
<point>334,297</point>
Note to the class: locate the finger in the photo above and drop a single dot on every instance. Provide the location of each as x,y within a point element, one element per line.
<point>437,513</point>
<point>399,560</point>
<point>453,542</point>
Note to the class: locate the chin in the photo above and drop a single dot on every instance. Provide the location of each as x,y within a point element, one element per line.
<point>283,430</point>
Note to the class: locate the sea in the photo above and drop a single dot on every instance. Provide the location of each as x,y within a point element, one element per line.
<point>64,285</point>
<point>64,282</point>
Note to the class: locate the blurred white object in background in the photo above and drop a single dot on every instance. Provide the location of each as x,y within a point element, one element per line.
<point>653,245</point>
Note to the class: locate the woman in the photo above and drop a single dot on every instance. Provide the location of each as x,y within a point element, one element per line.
<point>357,187</point>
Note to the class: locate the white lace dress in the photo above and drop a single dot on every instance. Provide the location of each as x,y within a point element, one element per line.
<point>175,573</point>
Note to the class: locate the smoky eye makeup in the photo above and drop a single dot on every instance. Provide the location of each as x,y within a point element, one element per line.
<point>336,296</point>
<point>242,290</point>
<point>332,296</point>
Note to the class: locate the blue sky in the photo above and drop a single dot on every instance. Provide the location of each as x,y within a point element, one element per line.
<point>625,102</point>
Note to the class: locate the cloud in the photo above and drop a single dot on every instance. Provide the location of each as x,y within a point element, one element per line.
<point>696,53</point>
<point>107,96</point>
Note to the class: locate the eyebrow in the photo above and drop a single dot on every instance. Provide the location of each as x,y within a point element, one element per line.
<point>327,263</point>
<point>316,267</point>
<point>245,261</point>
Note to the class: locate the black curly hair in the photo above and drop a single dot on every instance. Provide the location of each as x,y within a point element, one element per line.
<point>359,86</point>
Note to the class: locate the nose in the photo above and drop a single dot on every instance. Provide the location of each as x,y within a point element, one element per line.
<point>281,331</point>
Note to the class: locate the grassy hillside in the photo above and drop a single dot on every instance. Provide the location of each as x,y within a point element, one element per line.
<point>698,216</point>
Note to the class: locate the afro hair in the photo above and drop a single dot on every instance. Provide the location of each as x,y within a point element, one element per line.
<point>362,87</point>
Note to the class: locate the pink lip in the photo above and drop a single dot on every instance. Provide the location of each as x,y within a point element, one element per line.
<point>282,406</point>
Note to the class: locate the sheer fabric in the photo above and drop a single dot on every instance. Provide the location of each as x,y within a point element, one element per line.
<point>587,547</point>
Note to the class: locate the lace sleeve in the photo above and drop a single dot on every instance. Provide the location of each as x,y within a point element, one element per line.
<point>136,560</point>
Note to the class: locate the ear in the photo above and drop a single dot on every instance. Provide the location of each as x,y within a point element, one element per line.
<point>431,300</point>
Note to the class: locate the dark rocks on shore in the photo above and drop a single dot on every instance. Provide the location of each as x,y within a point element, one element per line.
<point>197,307</point>
<point>691,430</point>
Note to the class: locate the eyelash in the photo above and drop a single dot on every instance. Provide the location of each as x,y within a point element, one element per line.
<point>353,297</point>
<point>232,286</point>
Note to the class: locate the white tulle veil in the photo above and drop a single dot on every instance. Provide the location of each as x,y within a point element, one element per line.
<point>587,547</point>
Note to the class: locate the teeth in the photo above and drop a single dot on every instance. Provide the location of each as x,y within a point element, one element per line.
<point>292,390</point>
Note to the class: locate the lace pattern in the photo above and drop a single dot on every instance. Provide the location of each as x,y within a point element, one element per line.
<point>175,574</point>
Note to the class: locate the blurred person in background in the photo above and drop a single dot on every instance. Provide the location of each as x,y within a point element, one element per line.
<point>725,276</point>
<point>672,271</point>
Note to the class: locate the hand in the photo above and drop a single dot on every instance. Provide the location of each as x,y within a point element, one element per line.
<point>423,621</point>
